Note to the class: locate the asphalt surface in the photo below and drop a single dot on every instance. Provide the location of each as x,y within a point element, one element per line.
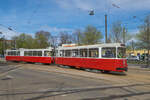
<point>20,83</point>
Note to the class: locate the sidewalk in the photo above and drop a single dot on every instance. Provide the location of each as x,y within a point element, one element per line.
<point>2,60</point>
<point>139,67</point>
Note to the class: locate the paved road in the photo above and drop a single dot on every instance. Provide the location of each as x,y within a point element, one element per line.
<point>20,83</point>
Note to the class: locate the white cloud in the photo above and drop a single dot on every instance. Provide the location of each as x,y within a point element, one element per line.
<point>134,4</point>
<point>134,31</point>
<point>55,29</point>
<point>104,5</point>
<point>8,33</point>
<point>80,4</point>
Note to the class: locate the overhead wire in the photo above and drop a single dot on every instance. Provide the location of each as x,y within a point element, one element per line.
<point>33,13</point>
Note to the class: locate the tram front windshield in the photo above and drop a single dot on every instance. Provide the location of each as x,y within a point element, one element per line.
<point>121,52</point>
<point>110,52</point>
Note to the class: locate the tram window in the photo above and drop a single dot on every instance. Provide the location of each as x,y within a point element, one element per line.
<point>62,53</point>
<point>39,53</point>
<point>30,53</point>
<point>34,53</point>
<point>9,53</point>
<point>75,53</point>
<point>83,52</point>
<point>47,53</point>
<point>56,53</point>
<point>121,52</point>
<point>14,53</point>
<point>109,52</point>
<point>67,53</point>
<point>25,53</point>
<point>93,52</point>
<point>18,53</point>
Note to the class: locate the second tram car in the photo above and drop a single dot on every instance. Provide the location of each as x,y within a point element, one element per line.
<point>103,57</point>
<point>30,55</point>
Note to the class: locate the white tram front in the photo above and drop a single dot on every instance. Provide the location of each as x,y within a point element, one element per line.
<point>104,57</point>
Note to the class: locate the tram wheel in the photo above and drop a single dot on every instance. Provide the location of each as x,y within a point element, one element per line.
<point>105,71</point>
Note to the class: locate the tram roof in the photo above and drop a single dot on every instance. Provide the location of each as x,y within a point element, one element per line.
<point>23,49</point>
<point>95,46</point>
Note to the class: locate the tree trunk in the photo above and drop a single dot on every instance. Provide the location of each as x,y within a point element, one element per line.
<point>148,58</point>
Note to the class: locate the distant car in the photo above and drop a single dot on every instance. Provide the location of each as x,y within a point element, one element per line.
<point>133,58</point>
<point>1,56</point>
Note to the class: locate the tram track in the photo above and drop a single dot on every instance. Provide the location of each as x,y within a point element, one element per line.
<point>130,89</point>
<point>112,97</point>
<point>77,90</point>
<point>110,77</point>
<point>9,69</point>
<point>129,77</point>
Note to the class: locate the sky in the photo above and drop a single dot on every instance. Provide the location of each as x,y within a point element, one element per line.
<point>30,16</point>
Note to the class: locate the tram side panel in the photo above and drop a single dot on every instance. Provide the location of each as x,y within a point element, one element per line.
<point>13,58</point>
<point>92,63</point>
<point>37,59</point>
<point>121,65</point>
<point>33,59</point>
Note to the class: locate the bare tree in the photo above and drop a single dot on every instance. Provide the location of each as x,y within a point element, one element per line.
<point>65,38</point>
<point>116,32</point>
<point>109,39</point>
<point>119,33</point>
<point>144,36</point>
<point>77,36</point>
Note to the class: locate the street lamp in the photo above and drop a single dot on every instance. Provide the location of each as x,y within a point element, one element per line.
<point>91,13</point>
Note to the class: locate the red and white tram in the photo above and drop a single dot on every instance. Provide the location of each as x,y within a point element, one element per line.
<point>30,55</point>
<point>104,57</point>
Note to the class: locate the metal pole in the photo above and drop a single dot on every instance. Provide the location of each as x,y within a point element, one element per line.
<point>148,42</point>
<point>15,44</point>
<point>105,28</point>
<point>133,46</point>
<point>124,35</point>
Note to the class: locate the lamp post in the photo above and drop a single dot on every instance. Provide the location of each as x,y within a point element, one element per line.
<point>91,13</point>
